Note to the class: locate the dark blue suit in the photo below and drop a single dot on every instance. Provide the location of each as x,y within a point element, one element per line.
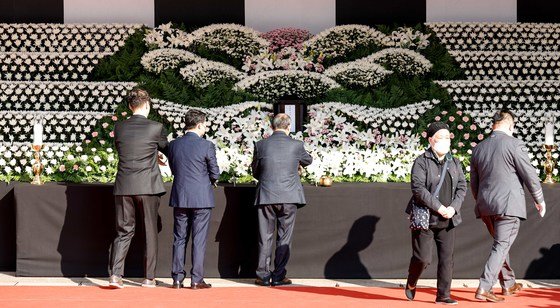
<point>193,163</point>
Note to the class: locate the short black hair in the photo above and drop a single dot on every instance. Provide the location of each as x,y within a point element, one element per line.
<point>503,115</point>
<point>137,97</point>
<point>194,117</point>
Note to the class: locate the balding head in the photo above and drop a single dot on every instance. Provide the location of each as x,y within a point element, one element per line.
<point>504,121</point>
<point>281,121</point>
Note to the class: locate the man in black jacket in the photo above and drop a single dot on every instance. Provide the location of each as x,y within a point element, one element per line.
<point>276,161</point>
<point>138,184</point>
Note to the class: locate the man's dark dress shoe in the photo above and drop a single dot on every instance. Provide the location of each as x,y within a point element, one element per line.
<point>200,285</point>
<point>264,283</point>
<point>282,282</point>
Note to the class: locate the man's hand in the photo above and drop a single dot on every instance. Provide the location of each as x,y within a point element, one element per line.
<point>300,170</point>
<point>161,160</point>
<point>541,207</point>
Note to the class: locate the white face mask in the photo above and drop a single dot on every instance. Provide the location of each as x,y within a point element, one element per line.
<point>442,146</point>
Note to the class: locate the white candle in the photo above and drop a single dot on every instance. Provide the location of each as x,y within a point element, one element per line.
<point>549,133</point>
<point>38,133</point>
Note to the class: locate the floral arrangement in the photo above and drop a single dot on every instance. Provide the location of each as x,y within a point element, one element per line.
<point>358,73</point>
<point>96,38</point>
<point>62,126</point>
<point>234,40</point>
<point>531,101</point>
<point>47,66</point>
<point>287,58</point>
<point>62,96</point>
<point>286,37</point>
<point>165,36</point>
<point>158,60</point>
<point>465,133</point>
<point>400,60</point>
<point>204,73</point>
<point>405,37</point>
<point>507,65</point>
<point>339,41</point>
<point>498,36</point>
<point>271,85</point>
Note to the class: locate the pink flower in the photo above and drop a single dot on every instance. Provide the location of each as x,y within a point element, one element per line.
<point>473,127</point>
<point>438,118</point>
<point>466,136</point>
<point>62,168</point>
<point>75,167</point>
<point>444,112</point>
<point>459,112</point>
<point>451,135</point>
<point>460,127</point>
<point>102,141</point>
<point>424,134</point>
<point>451,118</point>
<point>114,118</point>
<point>105,125</point>
<point>124,113</point>
<point>88,141</point>
<point>112,134</point>
<point>473,144</point>
<point>460,144</point>
<point>465,119</point>
<point>480,137</point>
<point>454,151</point>
<point>94,134</point>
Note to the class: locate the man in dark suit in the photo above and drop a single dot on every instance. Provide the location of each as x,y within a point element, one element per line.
<point>276,162</point>
<point>193,163</point>
<point>500,166</point>
<point>138,185</point>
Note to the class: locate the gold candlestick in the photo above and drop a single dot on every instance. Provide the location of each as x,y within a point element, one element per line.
<point>37,165</point>
<point>549,163</point>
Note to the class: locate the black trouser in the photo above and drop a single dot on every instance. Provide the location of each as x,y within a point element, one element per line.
<point>186,222</point>
<point>422,244</point>
<point>125,225</point>
<point>282,217</point>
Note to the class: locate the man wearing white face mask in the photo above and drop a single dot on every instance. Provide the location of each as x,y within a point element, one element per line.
<point>500,166</point>
<point>438,184</point>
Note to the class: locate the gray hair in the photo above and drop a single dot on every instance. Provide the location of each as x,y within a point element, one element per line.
<point>281,121</point>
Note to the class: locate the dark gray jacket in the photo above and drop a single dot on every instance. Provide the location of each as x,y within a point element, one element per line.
<point>137,141</point>
<point>192,160</point>
<point>500,166</point>
<point>275,165</point>
<point>425,177</point>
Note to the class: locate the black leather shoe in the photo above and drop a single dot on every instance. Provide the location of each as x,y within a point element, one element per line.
<point>263,283</point>
<point>177,284</point>
<point>446,301</point>
<point>282,282</point>
<point>409,293</point>
<point>200,285</point>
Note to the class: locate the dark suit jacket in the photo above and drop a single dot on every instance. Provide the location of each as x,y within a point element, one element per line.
<point>425,177</point>
<point>500,166</point>
<point>275,165</point>
<point>192,160</point>
<point>138,140</point>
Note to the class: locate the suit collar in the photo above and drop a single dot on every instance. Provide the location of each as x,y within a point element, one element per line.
<point>279,133</point>
<point>192,134</point>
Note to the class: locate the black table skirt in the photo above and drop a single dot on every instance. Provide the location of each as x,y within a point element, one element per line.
<point>346,231</point>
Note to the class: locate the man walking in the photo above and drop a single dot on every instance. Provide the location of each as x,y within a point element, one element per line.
<point>276,162</point>
<point>192,160</point>
<point>138,185</point>
<point>500,167</point>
